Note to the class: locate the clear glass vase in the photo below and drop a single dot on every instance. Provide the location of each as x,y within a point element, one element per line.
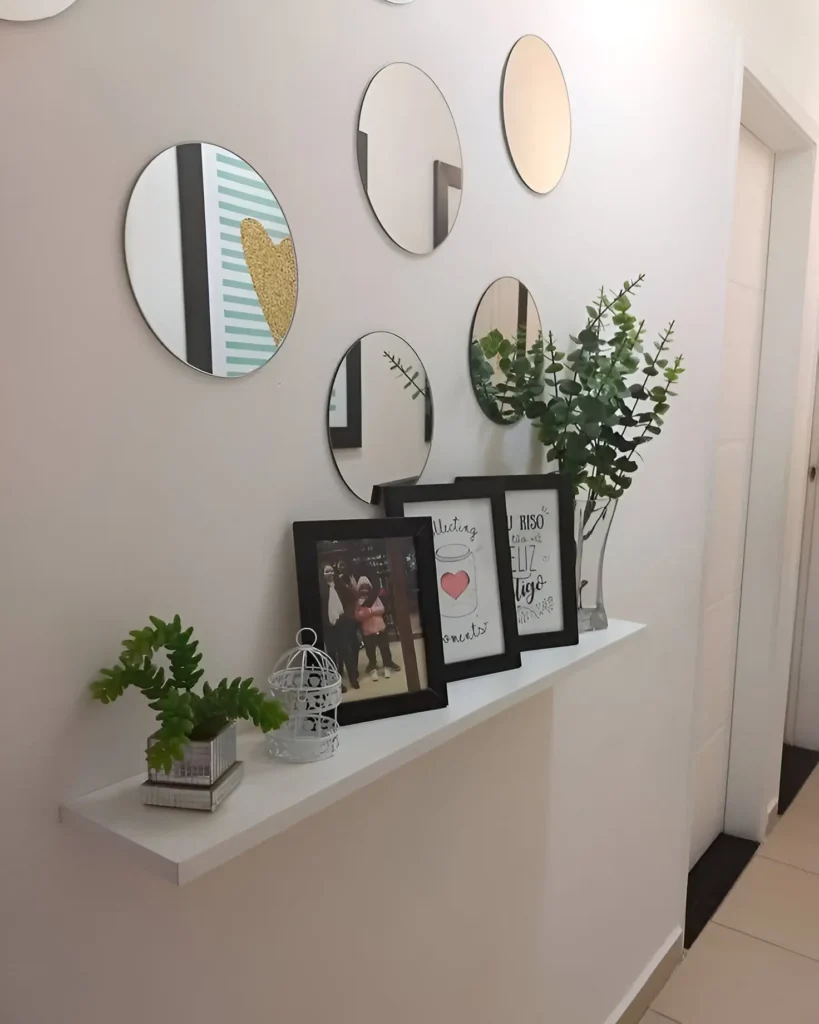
<point>592,521</point>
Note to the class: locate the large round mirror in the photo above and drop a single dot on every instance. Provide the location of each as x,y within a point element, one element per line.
<point>537,118</point>
<point>409,157</point>
<point>31,10</point>
<point>379,417</point>
<point>505,358</point>
<point>211,260</point>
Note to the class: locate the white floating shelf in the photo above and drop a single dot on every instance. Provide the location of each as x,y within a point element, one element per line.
<point>182,845</point>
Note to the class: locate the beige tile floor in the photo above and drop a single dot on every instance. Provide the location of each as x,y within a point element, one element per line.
<point>757,962</point>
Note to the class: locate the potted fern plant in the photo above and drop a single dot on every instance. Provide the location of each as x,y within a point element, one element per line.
<point>192,755</point>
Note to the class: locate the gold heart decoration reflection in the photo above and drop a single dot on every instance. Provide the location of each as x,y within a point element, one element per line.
<point>273,272</point>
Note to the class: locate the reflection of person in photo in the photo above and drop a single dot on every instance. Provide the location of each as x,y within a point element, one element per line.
<point>347,626</point>
<point>341,599</point>
<point>368,592</point>
<point>333,610</point>
<point>370,617</point>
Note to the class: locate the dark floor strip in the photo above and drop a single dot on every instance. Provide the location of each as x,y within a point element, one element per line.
<point>711,879</point>
<point>797,765</point>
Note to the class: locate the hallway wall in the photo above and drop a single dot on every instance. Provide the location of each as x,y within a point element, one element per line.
<point>501,875</point>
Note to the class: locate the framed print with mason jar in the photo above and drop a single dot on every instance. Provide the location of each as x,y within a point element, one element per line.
<point>474,572</point>
<point>540,523</point>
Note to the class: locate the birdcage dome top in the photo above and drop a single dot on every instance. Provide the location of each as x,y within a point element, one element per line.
<point>305,666</point>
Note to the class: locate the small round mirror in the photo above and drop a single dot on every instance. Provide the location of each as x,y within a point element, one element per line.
<point>537,118</point>
<point>210,258</point>
<point>505,330</point>
<point>31,10</point>
<point>409,157</point>
<point>379,417</point>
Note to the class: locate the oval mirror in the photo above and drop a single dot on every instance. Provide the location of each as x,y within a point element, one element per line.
<point>31,10</point>
<point>379,417</point>
<point>506,329</point>
<point>409,157</point>
<point>210,258</point>
<point>537,118</point>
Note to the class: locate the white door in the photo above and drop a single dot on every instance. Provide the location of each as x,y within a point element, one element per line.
<point>725,544</point>
<point>802,727</point>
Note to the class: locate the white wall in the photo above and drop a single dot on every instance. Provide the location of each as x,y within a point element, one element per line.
<point>128,497</point>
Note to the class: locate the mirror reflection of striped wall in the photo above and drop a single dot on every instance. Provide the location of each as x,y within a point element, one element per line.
<point>211,259</point>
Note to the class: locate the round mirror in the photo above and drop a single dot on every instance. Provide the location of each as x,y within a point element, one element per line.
<point>379,417</point>
<point>505,333</point>
<point>409,157</point>
<point>31,10</point>
<point>211,260</point>
<point>537,118</point>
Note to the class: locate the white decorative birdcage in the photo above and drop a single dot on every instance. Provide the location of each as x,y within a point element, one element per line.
<point>308,684</point>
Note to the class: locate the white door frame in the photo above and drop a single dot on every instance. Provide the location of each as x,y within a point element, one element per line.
<point>781,450</point>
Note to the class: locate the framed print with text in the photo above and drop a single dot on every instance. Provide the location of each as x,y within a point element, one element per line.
<point>540,523</point>
<point>474,574</point>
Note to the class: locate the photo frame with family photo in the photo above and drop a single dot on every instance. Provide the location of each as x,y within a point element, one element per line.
<point>368,588</point>
<point>540,521</point>
<point>473,572</point>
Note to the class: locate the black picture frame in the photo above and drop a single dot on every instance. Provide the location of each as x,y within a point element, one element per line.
<point>307,536</point>
<point>349,436</point>
<point>396,498</point>
<point>569,635</point>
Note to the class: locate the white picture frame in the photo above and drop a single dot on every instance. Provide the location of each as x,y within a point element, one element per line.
<point>540,526</point>
<point>473,564</point>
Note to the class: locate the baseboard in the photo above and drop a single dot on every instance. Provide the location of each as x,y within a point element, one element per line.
<point>634,1006</point>
<point>773,816</point>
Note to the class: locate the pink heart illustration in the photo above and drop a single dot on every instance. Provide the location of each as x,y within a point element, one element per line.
<point>455,583</point>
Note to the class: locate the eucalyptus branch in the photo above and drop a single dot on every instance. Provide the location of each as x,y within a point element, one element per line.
<point>603,308</point>
<point>588,422</point>
<point>618,354</point>
<point>672,374</point>
<point>396,364</point>
<point>552,351</point>
<point>651,367</point>
<point>629,288</point>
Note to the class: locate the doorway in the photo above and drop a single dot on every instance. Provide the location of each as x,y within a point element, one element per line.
<point>800,753</point>
<point>760,469</point>
<point>725,544</point>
